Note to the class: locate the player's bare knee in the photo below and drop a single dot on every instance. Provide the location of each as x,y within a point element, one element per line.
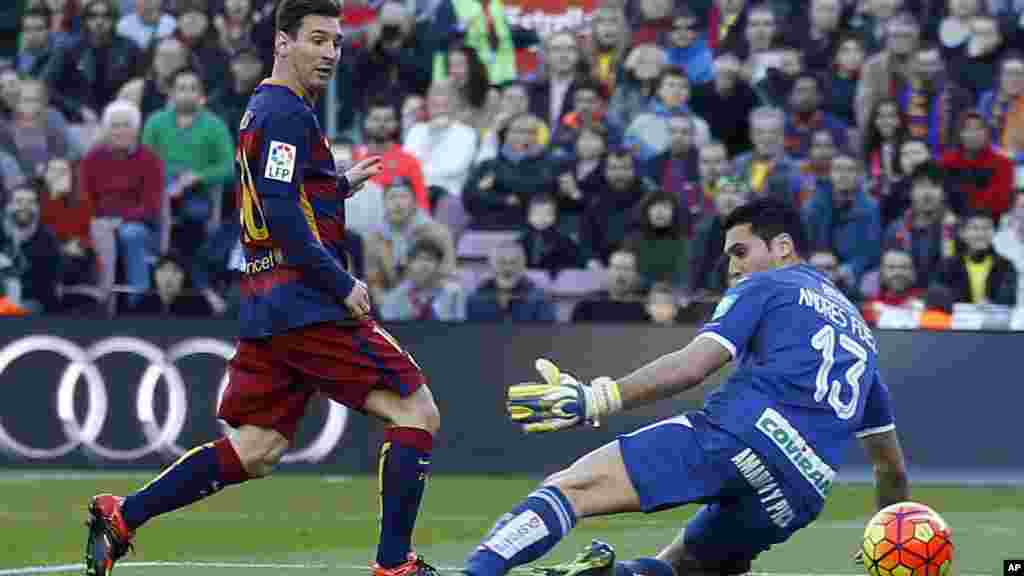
<point>259,450</point>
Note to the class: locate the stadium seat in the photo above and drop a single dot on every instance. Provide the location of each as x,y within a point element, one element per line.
<point>578,281</point>
<point>478,245</point>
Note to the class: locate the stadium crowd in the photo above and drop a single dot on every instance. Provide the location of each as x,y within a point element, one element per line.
<point>576,175</point>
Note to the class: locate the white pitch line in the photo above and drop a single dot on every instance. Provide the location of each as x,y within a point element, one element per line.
<point>64,568</point>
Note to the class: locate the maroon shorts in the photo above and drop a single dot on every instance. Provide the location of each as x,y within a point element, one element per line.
<point>270,380</point>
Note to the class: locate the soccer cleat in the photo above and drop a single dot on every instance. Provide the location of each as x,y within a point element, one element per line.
<point>598,559</point>
<point>109,536</point>
<point>414,566</point>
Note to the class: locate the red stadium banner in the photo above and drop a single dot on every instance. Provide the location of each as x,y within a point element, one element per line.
<point>545,17</point>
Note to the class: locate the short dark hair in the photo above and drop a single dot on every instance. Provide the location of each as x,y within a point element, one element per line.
<point>768,218</point>
<point>427,246</point>
<point>291,12</point>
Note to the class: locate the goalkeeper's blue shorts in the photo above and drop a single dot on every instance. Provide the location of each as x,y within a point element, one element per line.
<point>748,506</point>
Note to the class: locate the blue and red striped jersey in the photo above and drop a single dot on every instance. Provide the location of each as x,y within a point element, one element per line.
<point>292,207</point>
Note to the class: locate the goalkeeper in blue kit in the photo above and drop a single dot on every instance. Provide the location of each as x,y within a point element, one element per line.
<point>763,452</point>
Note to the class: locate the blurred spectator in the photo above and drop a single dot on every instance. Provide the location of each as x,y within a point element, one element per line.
<point>977,65</point>
<point>195,32</point>
<point>381,138</point>
<point>660,243</point>
<point>553,94</point>
<point>760,38</point>
<point>609,214</point>
<point>978,176</point>
<point>650,19</point>
<point>546,246</point>
<point>236,25</point>
<point>881,146</point>
<point>171,296</point>
<point>65,17</point>
<point>38,44</point>
<point>485,28</point>
<point>513,101</point>
<point>87,74</point>
<point>146,24</point>
<point>30,135</point>
<point>636,85</point>
<point>445,148</point>
<point>608,45</point>
<point>886,74</point>
<point>816,170</point>
<point>927,230</point>
<point>29,251</point>
<point>124,181</point>
<point>425,291</point>
<point>622,300</point>
<point>662,305</point>
<point>844,220</point>
<point>198,156</point>
<point>954,26</point>
<point>648,133</point>
<point>841,79</point>
<point>726,103</point>
<point>1009,241</point>
<point>471,86</point>
<point>869,22</point>
<point>588,111</point>
<point>896,287</point>
<point>11,175</point>
<point>510,295</point>
<point>767,170</point>
<point>712,165</point>
<point>676,166</point>
<point>817,33</point>
<point>498,190</point>
<point>980,275</point>
<point>687,48</point>
<point>894,201</point>
<point>805,115</point>
<point>67,212</point>
<point>389,244</point>
<point>152,92</point>
<point>1003,106</point>
<point>395,61</point>
<point>932,102</point>
<point>583,173</point>
<point>826,262</point>
<point>783,65</point>
<point>230,102</point>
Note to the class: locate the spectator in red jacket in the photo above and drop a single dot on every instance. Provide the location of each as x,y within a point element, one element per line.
<point>124,180</point>
<point>979,177</point>
<point>895,287</point>
<point>68,213</point>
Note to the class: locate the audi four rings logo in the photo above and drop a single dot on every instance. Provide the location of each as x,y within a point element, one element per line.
<point>159,437</point>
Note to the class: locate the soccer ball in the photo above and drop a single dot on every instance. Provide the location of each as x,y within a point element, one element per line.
<point>907,539</point>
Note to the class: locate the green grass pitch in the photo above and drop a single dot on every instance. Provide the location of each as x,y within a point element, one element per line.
<point>291,525</point>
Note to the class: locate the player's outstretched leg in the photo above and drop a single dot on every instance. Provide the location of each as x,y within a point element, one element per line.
<point>200,472</point>
<point>598,559</point>
<point>595,485</point>
<point>403,466</point>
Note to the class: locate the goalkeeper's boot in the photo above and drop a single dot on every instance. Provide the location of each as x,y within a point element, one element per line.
<point>109,536</point>
<point>598,559</point>
<point>414,566</point>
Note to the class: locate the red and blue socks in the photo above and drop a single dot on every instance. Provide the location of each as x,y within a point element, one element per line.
<point>528,532</point>
<point>403,467</point>
<point>200,472</point>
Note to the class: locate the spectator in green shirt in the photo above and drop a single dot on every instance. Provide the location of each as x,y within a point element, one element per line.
<point>197,148</point>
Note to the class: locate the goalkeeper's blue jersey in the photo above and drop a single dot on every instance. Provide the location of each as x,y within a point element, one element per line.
<point>806,381</point>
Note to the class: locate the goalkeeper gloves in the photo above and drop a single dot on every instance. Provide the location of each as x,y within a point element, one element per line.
<point>561,401</point>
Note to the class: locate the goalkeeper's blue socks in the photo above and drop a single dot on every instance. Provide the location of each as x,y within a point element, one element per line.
<point>643,567</point>
<point>200,472</point>
<point>403,468</point>
<point>528,532</point>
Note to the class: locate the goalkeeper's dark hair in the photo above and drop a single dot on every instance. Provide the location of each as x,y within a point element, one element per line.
<point>768,218</point>
<point>291,12</point>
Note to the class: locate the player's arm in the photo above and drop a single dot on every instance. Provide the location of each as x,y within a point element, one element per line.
<point>561,401</point>
<point>881,444</point>
<point>277,183</point>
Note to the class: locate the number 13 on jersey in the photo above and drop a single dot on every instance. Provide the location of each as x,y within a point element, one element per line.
<point>825,342</point>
